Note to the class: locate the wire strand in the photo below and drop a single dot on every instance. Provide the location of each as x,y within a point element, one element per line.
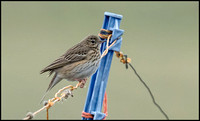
<point>149,92</point>
<point>52,101</point>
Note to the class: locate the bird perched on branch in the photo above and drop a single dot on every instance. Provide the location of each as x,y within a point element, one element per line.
<point>77,64</point>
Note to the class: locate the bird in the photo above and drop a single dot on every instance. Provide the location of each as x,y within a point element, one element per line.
<point>77,63</point>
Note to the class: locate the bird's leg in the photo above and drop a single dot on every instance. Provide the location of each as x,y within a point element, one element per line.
<point>82,81</point>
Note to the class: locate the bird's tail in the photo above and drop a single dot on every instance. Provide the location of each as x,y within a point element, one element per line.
<point>53,82</point>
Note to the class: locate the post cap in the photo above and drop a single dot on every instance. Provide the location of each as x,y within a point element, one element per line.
<point>113,15</point>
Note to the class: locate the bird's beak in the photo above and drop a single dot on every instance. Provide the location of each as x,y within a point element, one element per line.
<point>102,41</point>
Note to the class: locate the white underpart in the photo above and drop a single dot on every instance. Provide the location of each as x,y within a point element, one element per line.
<point>86,70</point>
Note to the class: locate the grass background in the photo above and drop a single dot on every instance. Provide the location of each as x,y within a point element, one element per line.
<point>161,38</point>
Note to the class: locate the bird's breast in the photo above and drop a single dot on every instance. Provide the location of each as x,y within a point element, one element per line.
<point>87,69</point>
<point>80,70</point>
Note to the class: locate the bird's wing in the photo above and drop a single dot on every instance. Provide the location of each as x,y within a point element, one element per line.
<point>76,53</point>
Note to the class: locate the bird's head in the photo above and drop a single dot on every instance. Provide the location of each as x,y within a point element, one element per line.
<point>93,41</point>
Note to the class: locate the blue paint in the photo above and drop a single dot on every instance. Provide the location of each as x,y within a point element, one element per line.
<point>98,82</point>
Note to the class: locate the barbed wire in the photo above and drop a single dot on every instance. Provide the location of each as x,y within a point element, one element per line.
<point>66,92</point>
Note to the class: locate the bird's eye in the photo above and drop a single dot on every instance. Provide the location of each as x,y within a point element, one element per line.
<point>93,41</point>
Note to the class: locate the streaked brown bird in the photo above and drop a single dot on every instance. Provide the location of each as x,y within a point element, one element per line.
<point>77,64</point>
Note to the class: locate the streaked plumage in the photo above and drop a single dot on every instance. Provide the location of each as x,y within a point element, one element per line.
<point>78,63</point>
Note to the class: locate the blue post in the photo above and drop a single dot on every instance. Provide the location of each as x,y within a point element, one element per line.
<point>98,82</point>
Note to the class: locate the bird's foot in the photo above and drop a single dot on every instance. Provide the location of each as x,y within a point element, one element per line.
<point>82,81</point>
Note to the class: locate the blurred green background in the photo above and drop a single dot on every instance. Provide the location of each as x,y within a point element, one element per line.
<point>161,38</point>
